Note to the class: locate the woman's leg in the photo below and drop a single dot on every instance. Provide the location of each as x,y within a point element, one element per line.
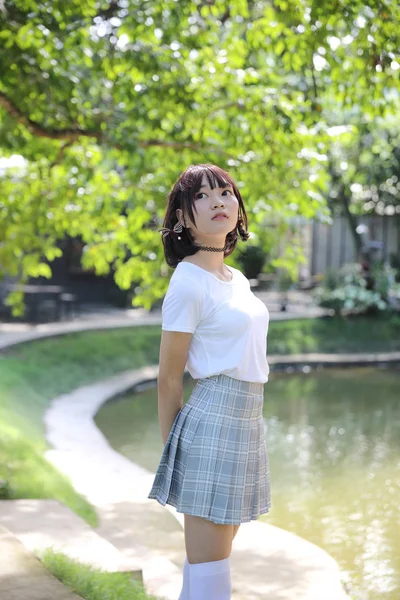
<point>235,530</point>
<point>206,541</point>
<point>185,593</point>
<point>208,548</point>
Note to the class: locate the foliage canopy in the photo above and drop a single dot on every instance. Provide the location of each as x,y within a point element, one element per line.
<point>108,101</point>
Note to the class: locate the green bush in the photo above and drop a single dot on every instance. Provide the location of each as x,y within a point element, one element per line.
<point>349,290</point>
<point>5,489</point>
<point>252,259</point>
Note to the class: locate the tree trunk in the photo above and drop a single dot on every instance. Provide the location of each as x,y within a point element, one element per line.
<point>344,200</point>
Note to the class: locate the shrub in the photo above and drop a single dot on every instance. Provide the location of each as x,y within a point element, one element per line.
<point>252,259</point>
<point>357,292</point>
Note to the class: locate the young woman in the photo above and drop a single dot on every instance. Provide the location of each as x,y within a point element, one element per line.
<point>214,466</point>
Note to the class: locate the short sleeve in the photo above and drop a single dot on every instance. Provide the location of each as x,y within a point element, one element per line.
<point>182,306</point>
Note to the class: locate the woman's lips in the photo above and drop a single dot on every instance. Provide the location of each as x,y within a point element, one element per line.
<point>219,218</point>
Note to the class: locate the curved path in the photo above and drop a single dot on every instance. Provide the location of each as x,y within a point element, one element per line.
<point>12,334</point>
<point>267,562</point>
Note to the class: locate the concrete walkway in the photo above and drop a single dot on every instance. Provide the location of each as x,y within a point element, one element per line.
<point>267,562</point>
<point>23,577</point>
<point>93,317</point>
<point>12,334</point>
<point>42,524</point>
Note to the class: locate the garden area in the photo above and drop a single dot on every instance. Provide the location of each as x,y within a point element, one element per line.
<point>32,374</point>
<point>102,105</point>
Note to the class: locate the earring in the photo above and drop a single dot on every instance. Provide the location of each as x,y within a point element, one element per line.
<point>177,229</point>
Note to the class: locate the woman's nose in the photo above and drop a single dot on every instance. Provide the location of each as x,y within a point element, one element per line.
<point>217,202</point>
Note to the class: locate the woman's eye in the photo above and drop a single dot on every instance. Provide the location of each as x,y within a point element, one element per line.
<point>202,193</point>
<point>197,196</point>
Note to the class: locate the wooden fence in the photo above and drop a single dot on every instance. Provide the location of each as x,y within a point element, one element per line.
<point>332,245</point>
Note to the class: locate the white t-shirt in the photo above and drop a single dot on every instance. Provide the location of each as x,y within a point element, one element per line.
<point>229,323</point>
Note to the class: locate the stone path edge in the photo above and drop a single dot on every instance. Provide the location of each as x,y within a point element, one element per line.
<point>123,382</point>
<point>66,441</point>
<point>275,360</point>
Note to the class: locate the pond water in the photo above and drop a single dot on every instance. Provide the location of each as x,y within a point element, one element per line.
<point>333,440</point>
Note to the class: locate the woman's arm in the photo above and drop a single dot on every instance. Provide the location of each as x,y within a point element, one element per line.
<point>174,350</point>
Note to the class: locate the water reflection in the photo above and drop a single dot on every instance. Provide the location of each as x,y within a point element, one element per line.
<point>334,448</point>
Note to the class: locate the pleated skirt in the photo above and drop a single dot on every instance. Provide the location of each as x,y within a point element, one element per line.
<point>215,461</point>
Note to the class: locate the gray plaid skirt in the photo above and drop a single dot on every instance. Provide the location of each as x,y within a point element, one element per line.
<point>215,462</point>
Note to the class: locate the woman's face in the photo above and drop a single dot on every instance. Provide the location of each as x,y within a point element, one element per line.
<point>208,202</point>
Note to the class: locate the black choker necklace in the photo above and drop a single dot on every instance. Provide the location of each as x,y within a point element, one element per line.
<point>211,249</point>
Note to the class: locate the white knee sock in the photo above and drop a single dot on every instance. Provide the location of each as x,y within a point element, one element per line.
<point>210,580</point>
<point>185,592</point>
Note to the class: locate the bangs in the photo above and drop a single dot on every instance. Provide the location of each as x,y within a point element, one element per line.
<point>216,177</point>
<point>191,180</point>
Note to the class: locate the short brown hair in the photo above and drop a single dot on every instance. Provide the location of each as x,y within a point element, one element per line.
<point>182,196</point>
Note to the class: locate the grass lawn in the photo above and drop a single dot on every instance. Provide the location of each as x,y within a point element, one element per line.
<point>31,374</point>
<point>93,584</point>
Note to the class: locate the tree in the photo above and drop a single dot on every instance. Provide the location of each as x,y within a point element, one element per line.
<point>108,102</point>
<point>364,169</point>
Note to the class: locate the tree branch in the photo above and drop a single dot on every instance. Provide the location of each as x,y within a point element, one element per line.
<point>40,131</point>
<point>71,134</point>
<point>19,16</point>
<point>344,200</point>
<point>60,154</point>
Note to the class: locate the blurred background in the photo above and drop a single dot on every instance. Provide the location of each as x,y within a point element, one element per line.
<point>102,105</point>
